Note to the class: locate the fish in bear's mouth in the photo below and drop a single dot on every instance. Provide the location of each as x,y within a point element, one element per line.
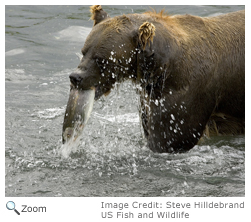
<point>78,111</point>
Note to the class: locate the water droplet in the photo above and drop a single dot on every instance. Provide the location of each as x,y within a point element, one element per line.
<point>172,116</point>
<point>164,135</point>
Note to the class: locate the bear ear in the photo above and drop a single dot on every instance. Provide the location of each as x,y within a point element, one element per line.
<point>146,34</point>
<point>98,14</point>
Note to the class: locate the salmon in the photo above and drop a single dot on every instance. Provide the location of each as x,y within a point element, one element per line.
<point>78,111</point>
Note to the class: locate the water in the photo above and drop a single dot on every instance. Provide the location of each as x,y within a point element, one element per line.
<point>42,48</point>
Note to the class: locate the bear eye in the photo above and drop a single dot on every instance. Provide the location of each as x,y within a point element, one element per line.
<point>83,52</point>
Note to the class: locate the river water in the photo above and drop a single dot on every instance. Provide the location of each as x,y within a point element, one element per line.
<point>42,47</point>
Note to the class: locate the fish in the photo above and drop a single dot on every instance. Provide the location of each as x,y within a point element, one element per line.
<point>77,113</point>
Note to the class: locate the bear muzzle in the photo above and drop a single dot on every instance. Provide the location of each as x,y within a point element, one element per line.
<point>76,80</point>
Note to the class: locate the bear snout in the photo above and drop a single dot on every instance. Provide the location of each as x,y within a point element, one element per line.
<point>75,79</point>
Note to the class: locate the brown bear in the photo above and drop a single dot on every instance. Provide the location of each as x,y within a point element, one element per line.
<point>189,71</point>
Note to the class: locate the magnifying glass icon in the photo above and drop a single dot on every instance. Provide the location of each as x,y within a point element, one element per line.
<point>11,206</point>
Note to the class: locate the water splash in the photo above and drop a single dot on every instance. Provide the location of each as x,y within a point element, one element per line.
<point>50,113</point>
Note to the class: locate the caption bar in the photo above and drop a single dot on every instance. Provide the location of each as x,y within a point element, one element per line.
<point>160,210</point>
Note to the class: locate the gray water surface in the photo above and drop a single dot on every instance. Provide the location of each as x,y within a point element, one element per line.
<point>42,47</point>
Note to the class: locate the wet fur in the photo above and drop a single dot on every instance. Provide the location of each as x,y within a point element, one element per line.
<point>191,71</point>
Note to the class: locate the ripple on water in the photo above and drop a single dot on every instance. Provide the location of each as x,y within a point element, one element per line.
<point>14,52</point>
<point>73,34</point>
